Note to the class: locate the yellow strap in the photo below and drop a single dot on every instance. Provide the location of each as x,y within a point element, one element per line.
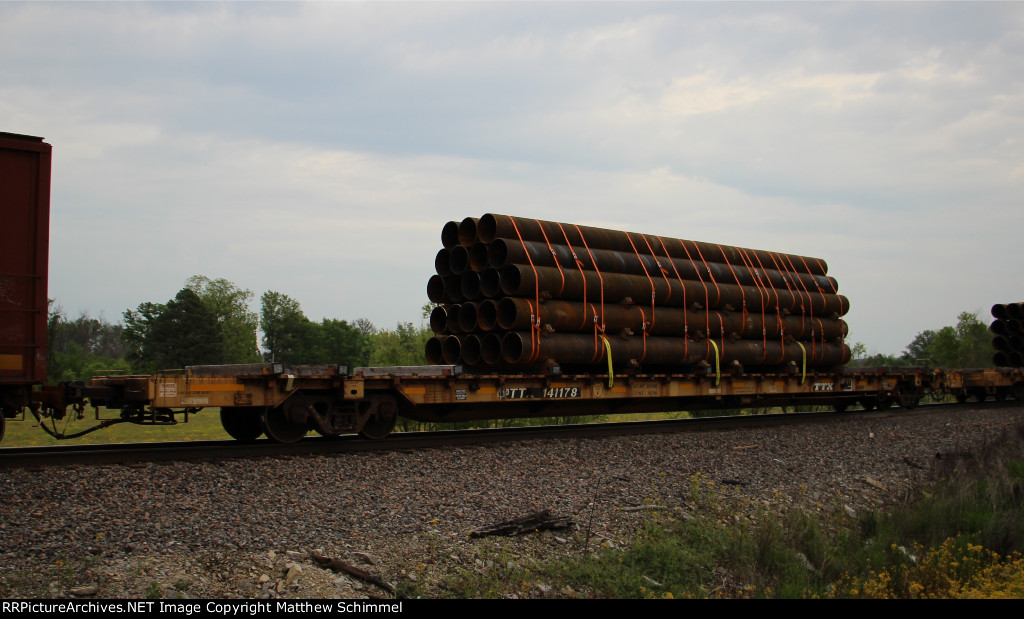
<point>803,376</point>
<point>608,349</point>
<point>718,369</point>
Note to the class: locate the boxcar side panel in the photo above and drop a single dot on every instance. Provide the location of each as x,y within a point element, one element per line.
<point>24,247</point>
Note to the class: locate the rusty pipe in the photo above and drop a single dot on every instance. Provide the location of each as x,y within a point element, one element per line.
<point>442,262</point>
<point>490,349</point>
<point>439,319</point>
<point>451,349</point>
<point>435,349</point>
<point>487,315</point>
<point>524,348</point>
<point>468,231</point>
<point>490,283</point>
<point>472,349</point>
<point>492,226</point>
<point>436,289</point>
<point>470,286</point>
<point>662,264</point>
<point>546,282</point>
<point>515,313</point>
<point>468,317</point>
<point>458,260</point>
<point>478,257</point>
<point>450,235</point>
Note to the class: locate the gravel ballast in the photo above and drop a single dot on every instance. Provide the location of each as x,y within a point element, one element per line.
<point>245,528</point>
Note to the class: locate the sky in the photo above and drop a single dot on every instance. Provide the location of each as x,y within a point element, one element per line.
<point>317,149</point>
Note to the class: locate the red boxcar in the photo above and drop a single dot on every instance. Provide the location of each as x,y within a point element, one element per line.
<point>24,245</point>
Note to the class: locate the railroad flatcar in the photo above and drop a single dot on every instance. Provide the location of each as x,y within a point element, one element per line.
<point>284,403</point>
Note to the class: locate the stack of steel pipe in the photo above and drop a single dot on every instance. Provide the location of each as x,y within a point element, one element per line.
<point>1008,334</point>
<point>512,292</point>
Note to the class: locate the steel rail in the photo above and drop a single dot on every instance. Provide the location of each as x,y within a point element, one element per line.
<point>129,453</point>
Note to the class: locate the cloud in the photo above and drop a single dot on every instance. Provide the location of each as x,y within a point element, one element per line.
<point>317,148</point>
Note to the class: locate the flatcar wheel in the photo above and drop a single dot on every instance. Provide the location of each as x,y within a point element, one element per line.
<point>279,428</point>
<point>242,423</point>
<point>1018,393</point>
<point>908,397</point>
<point>867,403</point>
<point>3,425</point>
<point>381,419</point>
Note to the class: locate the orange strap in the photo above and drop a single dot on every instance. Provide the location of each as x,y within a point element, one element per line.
<point>600,278</point>
<point>534,312</point>
<point>682,284</point>
<point>579,265</point>
<point>707,302</point>
<point>810,304</point>
<point>651,281</point>
<point>554,256</point>
<point>757,284</point>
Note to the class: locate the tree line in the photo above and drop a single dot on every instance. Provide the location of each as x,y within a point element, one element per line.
<point>211,322</point>
<point>968,344</point>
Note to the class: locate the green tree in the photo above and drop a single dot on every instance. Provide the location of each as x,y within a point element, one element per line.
<point>184,331</point>
<point>861,358</point>
<point>237,322</point>
<point>80,348</point>
<point>405,345</point>
<point>967,345</point>
<point>343,343</point>
<point>288,336</point>
<point>920,348</point>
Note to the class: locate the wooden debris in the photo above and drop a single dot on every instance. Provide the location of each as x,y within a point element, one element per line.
<point>744,447</point>
<point>876,484</point>
<point>540,521</point>
<point>643,508</point>
<point>337,565</point>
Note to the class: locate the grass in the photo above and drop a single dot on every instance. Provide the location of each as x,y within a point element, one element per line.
<point>201,426</point>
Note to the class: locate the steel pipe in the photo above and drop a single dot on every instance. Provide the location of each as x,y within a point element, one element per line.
<point>450,234</point>
<point>597,288</point>
<point>468,317</point>
<point>436,289</point>
<point>435,349</point>
<point>515,314</point>
<point>470,286</point>
<point>490,283</point>
<point>468,232</point>
<point>472,348</point>
<point>451,349</point>
<point>487,315</point>
<point>478,257</point>
<point>492,226</point>
<point>439,319</point>
<point>523,348</point>
<point>775,275</point>
<point>442,261</point>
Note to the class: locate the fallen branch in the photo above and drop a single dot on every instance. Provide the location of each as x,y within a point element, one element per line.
<point>527,524</point>
<point>643,508</point>
<point>337,565</point>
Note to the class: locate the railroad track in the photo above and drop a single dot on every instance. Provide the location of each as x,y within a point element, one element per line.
<point>127,453</point>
